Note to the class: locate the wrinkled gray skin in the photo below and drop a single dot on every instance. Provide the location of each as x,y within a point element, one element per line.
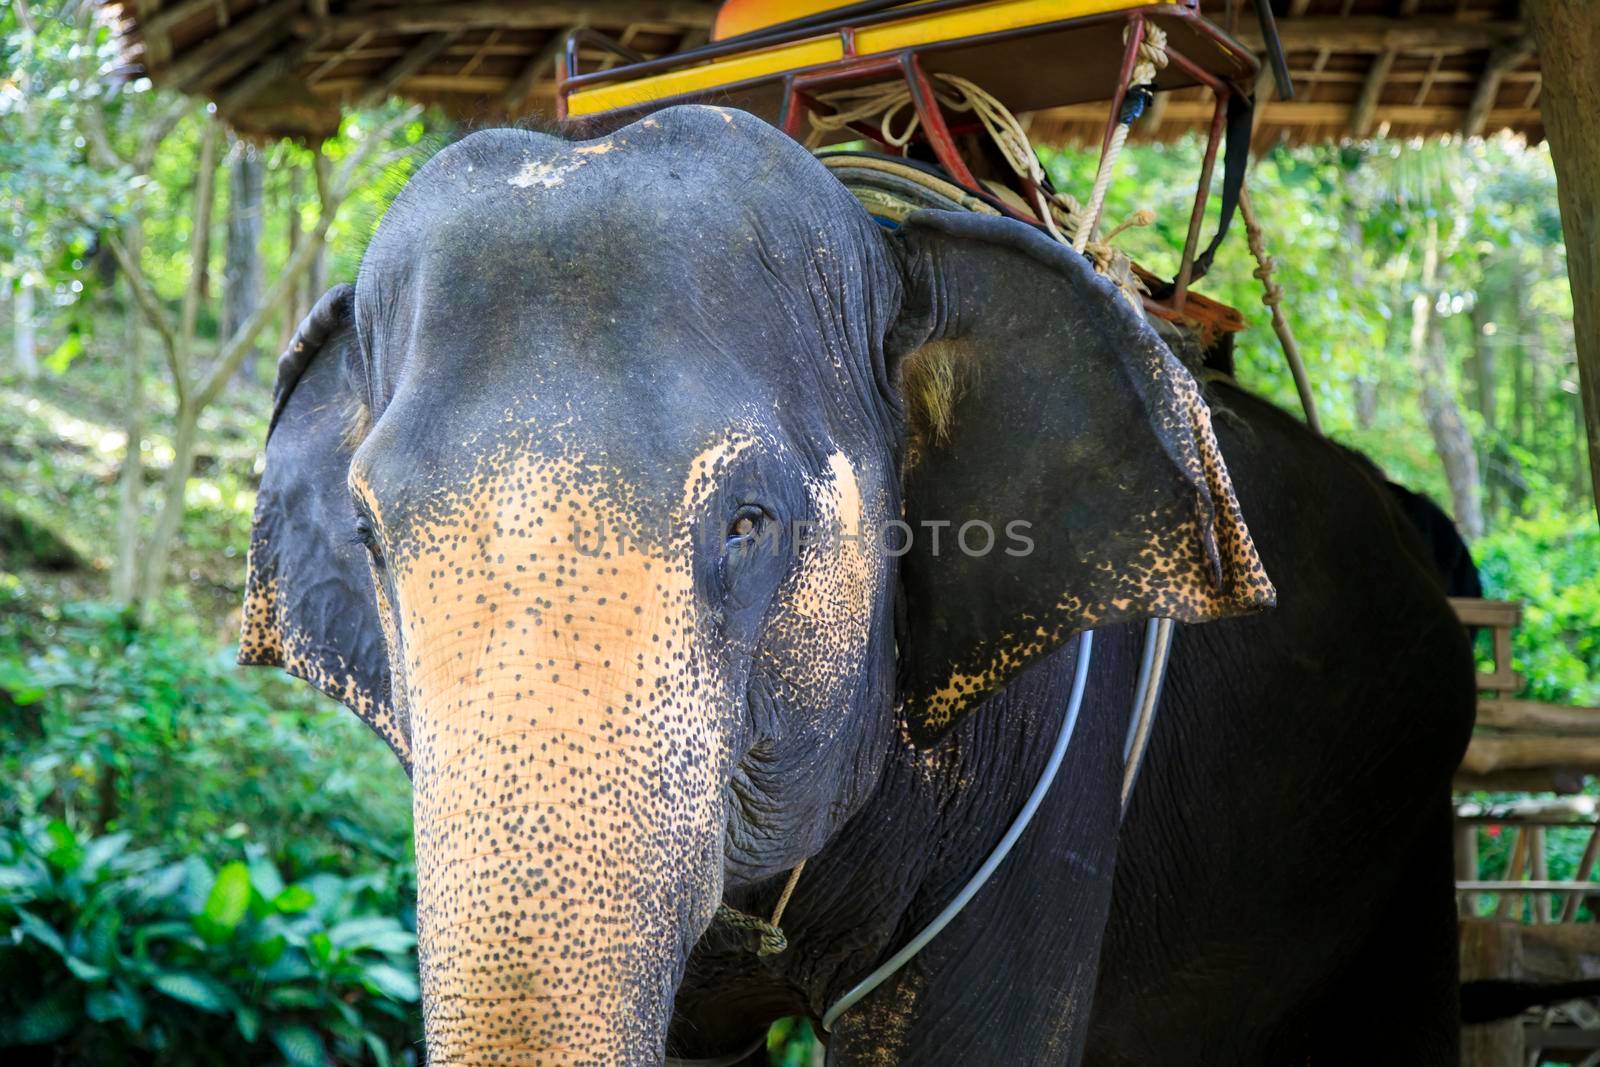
<point>691,332</point>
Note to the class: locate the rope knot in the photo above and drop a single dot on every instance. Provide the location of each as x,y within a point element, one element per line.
<point>771,941</point>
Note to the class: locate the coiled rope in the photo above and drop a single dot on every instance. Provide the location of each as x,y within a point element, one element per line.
<point>1062,215</point>
<point>771,938</point>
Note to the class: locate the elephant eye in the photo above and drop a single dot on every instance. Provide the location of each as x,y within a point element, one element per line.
<point>367,538</point>
<point>746,524</point>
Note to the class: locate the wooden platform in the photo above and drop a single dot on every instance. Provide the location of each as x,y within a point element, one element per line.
<point>1522,745</point>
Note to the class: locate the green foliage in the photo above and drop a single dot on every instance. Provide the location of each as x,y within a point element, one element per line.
<point>154,731</point>
<point>1549,561</point>
<point>107,949</point>
<point>1343,225</point>
<point>209,864</point>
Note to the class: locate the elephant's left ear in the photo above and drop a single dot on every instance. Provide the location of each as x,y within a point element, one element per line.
<point>310,603</point>
<point>1044,410</point>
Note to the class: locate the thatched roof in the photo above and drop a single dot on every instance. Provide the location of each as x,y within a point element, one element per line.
<point>1405,67</point>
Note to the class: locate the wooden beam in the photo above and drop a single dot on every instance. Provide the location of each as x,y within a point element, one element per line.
<point>1493,752</point>
<point>1266,86</point>
<point>481,51</point>
<point>1506,714</point>
<point>1150,125</point>
<point>171,14</point>
<point>1377,77</point>
<point>269,70</point>
<point>188,67</point>
<point>1373,33</point>
<point>515,14</point>
<point>1568,37</point>
<point>1502,61</point>
<point>327,66</point>
<point>241,59</point>
<point>1542,780</point>
<point>1366,105</point>
<point>411,63</point>
<point>541,66</point>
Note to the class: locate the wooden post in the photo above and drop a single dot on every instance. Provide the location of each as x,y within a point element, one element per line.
<point>1491,950</point>
<point>1466,865</point>
<point>1567,33</point>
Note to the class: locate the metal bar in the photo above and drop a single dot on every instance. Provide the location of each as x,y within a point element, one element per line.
<point>1130,56</point>
<point>1180,290</point>
<point>926,102</point>
<point>1236,51</point>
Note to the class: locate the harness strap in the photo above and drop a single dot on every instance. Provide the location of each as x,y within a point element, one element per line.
<point>1069,724</point>
<point>1235,160</point>
<point>1158,634</point>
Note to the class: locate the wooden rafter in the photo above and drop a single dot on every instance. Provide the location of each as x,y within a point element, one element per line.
<point>329,64</point>
<point>480,52</point>
<point>1501,62</point>
<point>265,20</point>
<point>1377,78</point>
<point>1370,33</point>
<point>514,14</point>
<point>542,63</point>
<point>410,64</point>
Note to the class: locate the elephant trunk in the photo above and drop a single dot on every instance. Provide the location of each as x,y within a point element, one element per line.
<point>553,919</point>
<point>569,749</point>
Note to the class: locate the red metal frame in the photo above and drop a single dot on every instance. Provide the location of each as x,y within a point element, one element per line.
<point>800,91</point>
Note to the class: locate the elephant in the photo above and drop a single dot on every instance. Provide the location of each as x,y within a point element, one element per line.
<point>678,525</point>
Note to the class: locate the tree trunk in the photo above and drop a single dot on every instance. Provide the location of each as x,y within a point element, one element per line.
<point>317,278</point>
<point>23,343</point>
<point>1450,437</point>
<point>130,480</point>
<point>158,547</point>
<point>1365,384</point>
<point>1483,362</point>
<point>294,308</point>
<point>1568,36</point>
<point>242,263</point>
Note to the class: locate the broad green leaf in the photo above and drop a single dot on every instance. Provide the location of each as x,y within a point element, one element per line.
<point>295,899</point>
<point>226,904</point>
<point>391,981</point>
<point>197,990</point>
<point>300,1045</point>
<point>265,953</point>
<point>42,1022</point>
<point>380,933</point>
<point>33,926</point>
<point>100,851</point>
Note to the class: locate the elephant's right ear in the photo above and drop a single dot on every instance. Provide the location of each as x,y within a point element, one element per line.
<point>310,605</point>
<point>1053,432</point>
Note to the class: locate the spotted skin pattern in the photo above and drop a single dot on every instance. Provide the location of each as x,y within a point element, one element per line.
<point>551,688</point>
<point>505,517</point>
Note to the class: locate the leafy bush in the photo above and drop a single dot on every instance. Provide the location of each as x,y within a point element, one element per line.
<point>106,949</point>
<point>201,863</point>
<point>1549,561</point>
<point>155,731</point>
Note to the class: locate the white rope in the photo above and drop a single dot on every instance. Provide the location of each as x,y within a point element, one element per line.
<point>1152,58</point>
<point>1059,212</point>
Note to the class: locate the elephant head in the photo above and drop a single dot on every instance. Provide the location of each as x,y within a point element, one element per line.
<point>592,498</point>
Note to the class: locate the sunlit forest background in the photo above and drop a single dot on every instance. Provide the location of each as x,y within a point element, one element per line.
<point>204,864</point>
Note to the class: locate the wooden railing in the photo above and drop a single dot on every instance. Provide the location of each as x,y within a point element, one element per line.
<point>1521,745</point>
<point>1532,927</point>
